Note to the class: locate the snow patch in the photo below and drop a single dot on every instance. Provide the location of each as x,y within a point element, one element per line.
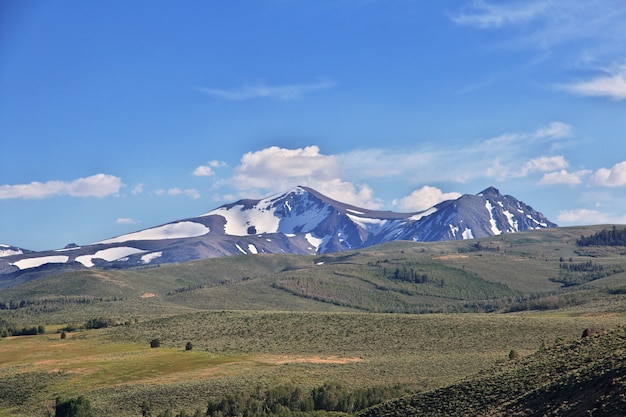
<point>9,252</point>
<point>42,260</point>
<point>314,241</point>
<point>367,223</point>
<point>109,255</point>
<point>241,250</point>
<point>424,213</point>
<point>240,220</point>
<point>537,222</point>
<point>169,231</point>
<point>492,221</point>
<point>454,230</point>
<point>149,257</point>
<point>511,219</point>
<point>355,212</point>
<point>467,234</point>
<point>252,249</point>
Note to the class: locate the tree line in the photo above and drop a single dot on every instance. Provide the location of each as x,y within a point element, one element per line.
<point>605,237</point>
<point>9,329</point>
<point>289,400</point>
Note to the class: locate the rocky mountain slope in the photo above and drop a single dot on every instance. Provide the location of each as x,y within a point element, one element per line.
<point>300,221</point>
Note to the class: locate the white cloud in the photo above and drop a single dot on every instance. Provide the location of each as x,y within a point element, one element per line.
<point>484,15</point>
<point>275,168</point>
<point>586,217</point>
<point>543,164</point>
<point>137,189</point>
<point>277,92</point>
<point>203,171</point>
<point>613,177</point>
<point>547,23</point>
<point>207,170</point>
<point>190,192</point>
<point>555,130</point>
<point>217,164</point>
<point>99,185</point>
<point>126,220</point>
<point>611,85</point>
<point>424,198</point>
<point>563,177</point>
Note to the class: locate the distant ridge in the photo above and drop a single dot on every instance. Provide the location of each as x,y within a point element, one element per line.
<point>299,221</point>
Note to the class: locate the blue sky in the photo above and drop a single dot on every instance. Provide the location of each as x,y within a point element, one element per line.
<point>117,116</point>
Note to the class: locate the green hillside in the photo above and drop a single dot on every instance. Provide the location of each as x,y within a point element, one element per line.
<point>538,270</point>
<point>581,378</point>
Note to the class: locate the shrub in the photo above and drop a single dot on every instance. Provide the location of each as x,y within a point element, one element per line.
<point>188,346</point>
<point>513,354</point>
<point>74,407</point>
<point>155,343</point>
<point>63,335</point>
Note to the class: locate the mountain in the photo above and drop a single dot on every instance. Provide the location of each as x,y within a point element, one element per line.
<point>300,221</point>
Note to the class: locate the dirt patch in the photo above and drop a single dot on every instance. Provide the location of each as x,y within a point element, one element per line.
<point>106,278</point>
<point>284,359</point>
<point>148,295</point>
<point>452,257</point>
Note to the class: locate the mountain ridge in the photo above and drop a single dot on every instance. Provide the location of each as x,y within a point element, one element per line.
<point>299,221</point>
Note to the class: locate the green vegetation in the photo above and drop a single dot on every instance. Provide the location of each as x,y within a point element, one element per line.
<point>291,400</point>
<point>605,237</point>
<point>251,331</point>
<point>74,407</point>
<point>9,329</point>
<point>583,377</point>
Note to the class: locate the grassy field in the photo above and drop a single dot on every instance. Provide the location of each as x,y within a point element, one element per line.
<point>235,351</point>
<point>266,321</point>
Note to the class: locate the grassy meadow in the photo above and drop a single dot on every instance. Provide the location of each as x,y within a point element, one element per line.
<point>257,322</point>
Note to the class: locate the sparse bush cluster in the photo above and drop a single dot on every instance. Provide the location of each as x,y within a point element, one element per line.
<point>571,274</point>
<point>185,289</point>
<point>8,329</point>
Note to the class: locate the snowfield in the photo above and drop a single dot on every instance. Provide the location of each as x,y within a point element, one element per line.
<point>169,231</point>
<point>110,254</point>
<point>36,262</point>
<point>149,257</point>
<point>239,221</point>
<point>9,252</point>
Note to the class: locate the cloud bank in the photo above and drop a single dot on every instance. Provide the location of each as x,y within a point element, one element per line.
<point>99,185</point>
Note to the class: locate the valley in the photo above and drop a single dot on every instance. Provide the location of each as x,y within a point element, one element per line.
<point>258,322</point>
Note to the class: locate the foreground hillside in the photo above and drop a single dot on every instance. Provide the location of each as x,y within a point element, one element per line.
<point>581,378</point>
<point>239,353</point>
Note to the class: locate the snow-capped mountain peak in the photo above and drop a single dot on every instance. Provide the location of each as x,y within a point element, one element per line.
<point>299,221</point>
